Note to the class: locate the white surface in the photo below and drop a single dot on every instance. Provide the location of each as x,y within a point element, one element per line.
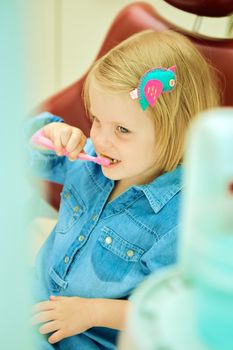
<point>163,314</point>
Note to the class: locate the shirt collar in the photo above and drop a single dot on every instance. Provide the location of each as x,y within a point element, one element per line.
<point>162,189</point>
<point>158,192</point>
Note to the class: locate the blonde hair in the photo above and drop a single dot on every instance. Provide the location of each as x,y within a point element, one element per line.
<point>121,68</point>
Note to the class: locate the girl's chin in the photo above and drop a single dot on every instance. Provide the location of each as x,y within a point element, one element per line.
<point>110,174</point>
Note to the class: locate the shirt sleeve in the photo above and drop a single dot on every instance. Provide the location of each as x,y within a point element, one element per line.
<point>162,253</point>
<point>35,123</point>
<point>45,164</point>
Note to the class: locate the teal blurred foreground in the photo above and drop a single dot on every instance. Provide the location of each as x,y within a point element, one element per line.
<point>14,291</point>
<point>207,239</point>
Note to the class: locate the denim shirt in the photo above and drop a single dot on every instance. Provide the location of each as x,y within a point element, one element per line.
<point>99,249</point>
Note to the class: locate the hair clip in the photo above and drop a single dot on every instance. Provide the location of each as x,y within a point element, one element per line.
<point>152,84</point>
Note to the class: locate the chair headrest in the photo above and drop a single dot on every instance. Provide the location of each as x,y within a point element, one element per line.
<point>209,8</point>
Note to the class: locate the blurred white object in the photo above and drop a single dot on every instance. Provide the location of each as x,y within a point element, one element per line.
<point>161,317</point>
<point>206,247</point>
<point>208,195</point>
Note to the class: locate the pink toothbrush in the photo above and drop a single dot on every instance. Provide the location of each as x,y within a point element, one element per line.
<point>39,139</point>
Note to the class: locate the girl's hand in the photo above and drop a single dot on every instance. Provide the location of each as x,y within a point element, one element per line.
<point>63,316</point>
<point>67,136</point>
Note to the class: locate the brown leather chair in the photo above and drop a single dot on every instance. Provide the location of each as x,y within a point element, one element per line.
<point>209,8</point>
<point>134,18</point>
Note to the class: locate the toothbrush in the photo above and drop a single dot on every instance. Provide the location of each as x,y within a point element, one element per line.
<point>39,139</point>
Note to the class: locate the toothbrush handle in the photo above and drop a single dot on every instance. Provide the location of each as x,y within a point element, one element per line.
<point>39,139</point>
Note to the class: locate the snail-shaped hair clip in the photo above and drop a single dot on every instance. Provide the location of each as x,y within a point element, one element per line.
<point>152,84</point>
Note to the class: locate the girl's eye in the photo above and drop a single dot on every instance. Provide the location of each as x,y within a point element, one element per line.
<point>122,130</point>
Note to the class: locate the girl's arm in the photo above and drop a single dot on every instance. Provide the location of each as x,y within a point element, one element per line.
<point>110,313</point>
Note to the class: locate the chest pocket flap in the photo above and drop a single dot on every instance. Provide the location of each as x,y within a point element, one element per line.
<point>117,245</point>
<point>71,208</point>
<point>113,257</point>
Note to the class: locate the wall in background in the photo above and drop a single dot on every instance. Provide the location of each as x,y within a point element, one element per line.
<point>65,36</point>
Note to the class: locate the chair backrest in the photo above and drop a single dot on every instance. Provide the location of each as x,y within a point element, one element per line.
<point>134,18</point>
<point>209,8</point>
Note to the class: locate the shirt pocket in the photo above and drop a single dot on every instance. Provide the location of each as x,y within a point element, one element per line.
<point>113,257</point>
<point>71,209</point>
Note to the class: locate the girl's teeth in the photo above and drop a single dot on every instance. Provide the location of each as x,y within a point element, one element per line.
<point>111,159</point>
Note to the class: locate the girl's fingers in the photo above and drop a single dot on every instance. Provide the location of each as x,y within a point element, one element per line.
<point>65,136</point>
<point>57,297</point>
<point>43,306</point>
<point>49,327</point>
<point>55,337</point>
<point>75,143</point>
<point>57,143</point>
<point>74,140</point>
<point>41,317</point>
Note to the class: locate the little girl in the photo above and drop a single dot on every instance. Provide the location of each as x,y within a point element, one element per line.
<point>117,223</point>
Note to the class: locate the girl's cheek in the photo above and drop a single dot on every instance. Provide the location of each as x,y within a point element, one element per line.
<point>92,133</point>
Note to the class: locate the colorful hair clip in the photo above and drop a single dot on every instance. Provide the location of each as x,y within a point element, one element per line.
<point>152,84</point>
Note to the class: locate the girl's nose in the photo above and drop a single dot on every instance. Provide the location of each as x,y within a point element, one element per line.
<point>104,140</point>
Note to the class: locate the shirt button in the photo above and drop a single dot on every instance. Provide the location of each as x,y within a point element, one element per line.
<point>108,240</point>
<point>94,217</point>
<point>130,253</point>
<point>67,195</point>
<point>81,238</point>
<point>76,208</point>
<point>66,259</point>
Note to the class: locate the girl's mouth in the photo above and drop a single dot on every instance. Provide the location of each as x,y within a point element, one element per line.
<point>112,160</point>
